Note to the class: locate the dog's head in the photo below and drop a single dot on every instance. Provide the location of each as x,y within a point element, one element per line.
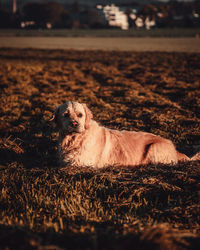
<point>72,117</point>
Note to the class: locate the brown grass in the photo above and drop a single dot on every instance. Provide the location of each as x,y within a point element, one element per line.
<point>152,207</point>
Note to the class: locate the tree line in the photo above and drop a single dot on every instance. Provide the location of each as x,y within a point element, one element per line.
<point>173,13</point>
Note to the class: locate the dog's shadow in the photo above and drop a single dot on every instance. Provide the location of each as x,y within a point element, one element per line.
<point>34,147</point>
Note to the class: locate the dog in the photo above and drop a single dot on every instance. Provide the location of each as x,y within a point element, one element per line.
<point>83,142</point>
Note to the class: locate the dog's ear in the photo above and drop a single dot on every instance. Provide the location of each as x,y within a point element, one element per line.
<point>54,117</point>
<point>88,116</point>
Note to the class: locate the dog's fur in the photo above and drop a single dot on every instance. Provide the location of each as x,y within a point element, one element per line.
<point>83,142</point>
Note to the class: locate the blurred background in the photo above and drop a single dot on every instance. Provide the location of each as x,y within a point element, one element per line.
<point>99,14</point>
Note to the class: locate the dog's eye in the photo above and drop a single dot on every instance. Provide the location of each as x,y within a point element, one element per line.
<point>80,115</point>
<point>66,115</point>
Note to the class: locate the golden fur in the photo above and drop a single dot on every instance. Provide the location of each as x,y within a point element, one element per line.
<point>83,142</point>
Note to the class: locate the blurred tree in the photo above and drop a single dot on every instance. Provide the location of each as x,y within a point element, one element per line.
<point>55,14</point>
<point>75,11</point>
<point>75,7</point>
<point>5,19</point>
<point>35,12</point>
<point>66,21</point>
<point>41,14</point>
<point>90,18</point>
<point>131,21</point>
<point>149,10</point>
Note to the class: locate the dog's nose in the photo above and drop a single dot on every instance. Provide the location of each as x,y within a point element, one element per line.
<point>74,123</point>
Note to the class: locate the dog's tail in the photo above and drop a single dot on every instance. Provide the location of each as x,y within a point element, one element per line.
<point>196,157</point>
<point>183,157</point>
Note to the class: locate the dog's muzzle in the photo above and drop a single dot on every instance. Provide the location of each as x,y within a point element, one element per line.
<point>74,124</point>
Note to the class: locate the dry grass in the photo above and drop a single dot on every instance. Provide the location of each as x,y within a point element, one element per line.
<point>152,207</point>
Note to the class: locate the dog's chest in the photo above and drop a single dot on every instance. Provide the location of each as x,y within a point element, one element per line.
<point>77,153</point>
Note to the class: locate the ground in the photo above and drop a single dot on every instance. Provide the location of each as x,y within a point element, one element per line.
<point>154,206</point>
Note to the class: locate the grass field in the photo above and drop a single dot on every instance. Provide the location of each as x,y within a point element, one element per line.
<point>168,32</point>
<point>168,40</point>
<point>148,207</point>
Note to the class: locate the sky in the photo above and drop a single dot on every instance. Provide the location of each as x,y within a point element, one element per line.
<point>92,1</point>
<point>86,2</point>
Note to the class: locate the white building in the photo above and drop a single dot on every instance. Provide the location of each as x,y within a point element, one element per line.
<point>149,23</point>
<point>139,22</point>
<point>115,17</point>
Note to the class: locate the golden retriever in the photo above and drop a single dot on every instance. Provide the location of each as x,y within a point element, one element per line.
<point>83,142</point>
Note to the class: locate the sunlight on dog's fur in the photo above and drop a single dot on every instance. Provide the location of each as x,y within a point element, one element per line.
<point>83,142</point>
